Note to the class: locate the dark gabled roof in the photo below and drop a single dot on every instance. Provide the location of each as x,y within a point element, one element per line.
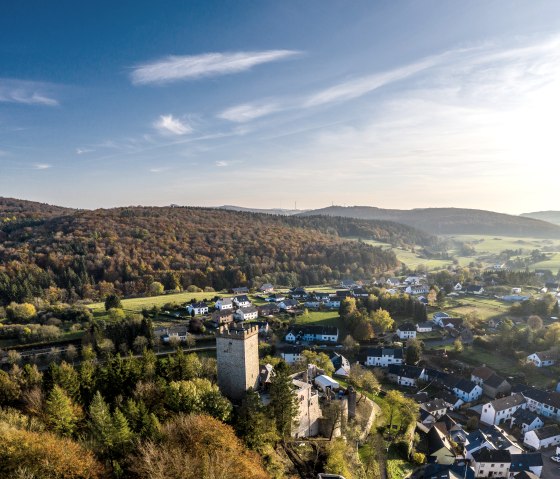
<point>543,397</point>
<point>482,372</point>
<point>507,402</point>
<point>522,462</point>
<point>465,385</point>
<point>450,381</point>
<point>397,353</point>
<point>241,298</point>
<point>492,455</point>
<point>201,304</point>
<point>405,371</point>
<point>289,349</point>
<point>322,330</point>
<point>290,302</point>
<point>547,431</point>
<point>525,474</point>
<point>524,416</point>
<point>338,361</point>
<point>436,375</point>
<point>494,381</point>
<point>248,309</point>
<point>473,288</point>
<point>426,324</point>
<point>447,396</point>
<point>407,327</point>
<point>443,471</point>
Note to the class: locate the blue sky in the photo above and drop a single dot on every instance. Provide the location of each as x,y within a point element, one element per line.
<point>262,104</point>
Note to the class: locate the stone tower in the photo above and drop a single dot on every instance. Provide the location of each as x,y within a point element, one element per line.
<point>237,354</point>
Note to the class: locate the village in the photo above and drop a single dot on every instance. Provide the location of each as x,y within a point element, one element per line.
<point>469,421</point>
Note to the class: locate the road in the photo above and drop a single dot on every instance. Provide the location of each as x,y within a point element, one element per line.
<point>551,470</point>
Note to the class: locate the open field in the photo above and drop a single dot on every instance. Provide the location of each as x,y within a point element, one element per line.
<point>484,308</point>
<point>326,318</point>
<point>496,244</point>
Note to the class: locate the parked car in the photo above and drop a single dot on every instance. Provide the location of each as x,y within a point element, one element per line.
<point>555,458</point>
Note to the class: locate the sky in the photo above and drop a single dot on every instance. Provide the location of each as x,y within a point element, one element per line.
<point>273,104</point>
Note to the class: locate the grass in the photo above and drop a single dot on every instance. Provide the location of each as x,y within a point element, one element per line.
<point>326,318</point>
<point>397,467</point>
<point>495,244</point>
<point>484,308</point>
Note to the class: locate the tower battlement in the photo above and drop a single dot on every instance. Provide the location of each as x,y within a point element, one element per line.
<point>237,332</point>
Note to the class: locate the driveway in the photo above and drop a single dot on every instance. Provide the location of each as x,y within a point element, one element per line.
<point>551,470</point>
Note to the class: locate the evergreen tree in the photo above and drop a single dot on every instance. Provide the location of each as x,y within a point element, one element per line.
<point>283,406</point>
<point>61,413</point>
<point>101,424</point>
<point>112,301</point>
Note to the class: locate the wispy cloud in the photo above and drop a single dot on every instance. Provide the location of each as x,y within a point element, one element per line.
<point>222,163</point>
<point>175,68</point>
<point>169,125</point>
<point>83,151</point>
<point>248,112</point>
<point>42,166</point>
<point>26,92</point>
<point>159,169</point>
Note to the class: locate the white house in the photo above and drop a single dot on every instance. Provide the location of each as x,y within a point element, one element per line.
<point>439,318</point>
<point>515,290</point>
<point>502,410</point>
<point>291,354</point>
<point>242,301</point>
<point>224,304</point>
<point>288,304</point>
<point>328,334</point>
<point>474,289</point>
<point>266,288</point>
<point>542,359</point>
<point>246,314</point>
<point>467,390</point>
<point>542,438</point>
<point>198,308</point>
<point>531,462</point>
<point>491,463</point>
<point>417,289</point>
<point>413,280</point>
<point>458,287</point>
<point>425,327</point>
<point>543,403</point>
<point>382,357</point>
<point>404,375</point>
<point>393,282</point>
<point>325,383</point>
<point>436,407</point>
<point>406,331</point>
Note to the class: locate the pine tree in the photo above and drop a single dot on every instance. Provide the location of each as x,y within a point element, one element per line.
<point>283,405</point>
<point>122,435</point>
<point>101,423</point>
<point>61,414</point>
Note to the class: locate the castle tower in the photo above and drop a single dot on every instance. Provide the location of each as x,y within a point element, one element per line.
<point>237,354</point>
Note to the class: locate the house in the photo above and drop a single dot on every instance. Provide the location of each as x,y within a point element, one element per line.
<point>436,407</point>
<point>491,463</point>
<point>393,282</point>
<point>542,438</point>
<point>542,402</point>
<point>322,297</point>
<point>413,280</point>
<point>222,317</point>
<point>450,398</point>
<point>264,327</point>
<point>502,410</point>
<point>467,390</point>
<point>425,327</point>
<point>382,357</point>
<point>406,331</point>
<point>298,293</point>
<point>360,293</point>
<point>552,287</point>
<point>240,290</point>
<point>246,313</point>
<point>313,333</point>
<point>474,289</point>
<point>292,354</point>
<point>439,317</point>
<point>453,323</point>
<point>515,290</point>
<point>266,288</point>
<point>242,301</point>
<point>496,386</point>
<point>197,308</point>
<point>440,450</point>
<point>481,374</point>
<point>288,305</point>
<point>526,420</point>
<point>404,375</point>
<point>224,304</point>
<point>349,284</point>
<point>526,465</point>
<point>341,365</point>
<point>418,289</point>
<point>543,359</point>
<point>333,303</point>
<point>178,332</point>
<point>457,287</point>
<point>267,310</point>
<point>312,304</point>
<point>276,298</point>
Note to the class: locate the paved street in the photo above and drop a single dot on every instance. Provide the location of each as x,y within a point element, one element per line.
<point>551,470</point>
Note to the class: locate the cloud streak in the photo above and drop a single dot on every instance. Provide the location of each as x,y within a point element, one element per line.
<point>169,125</point>
<point>26,93</point>
<point>42,166</point>
<point>249,111</point>
<point>189,67</point>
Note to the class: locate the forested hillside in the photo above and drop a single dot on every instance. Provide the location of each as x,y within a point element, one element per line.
<point>449,220</point>
<point>550,216</point>
<point>87,254</point>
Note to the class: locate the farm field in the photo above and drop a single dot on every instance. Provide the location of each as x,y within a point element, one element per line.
<point>484,308</point>
<point>496,244</point>
<point>326,318</point>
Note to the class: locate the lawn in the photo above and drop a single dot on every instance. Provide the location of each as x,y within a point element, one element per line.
<point>326,318</point>
<point>485,308</point>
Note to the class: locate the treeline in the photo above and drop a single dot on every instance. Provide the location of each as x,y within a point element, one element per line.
<point>90,254</point>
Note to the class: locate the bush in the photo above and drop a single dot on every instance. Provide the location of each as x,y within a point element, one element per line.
<point>419,458</point>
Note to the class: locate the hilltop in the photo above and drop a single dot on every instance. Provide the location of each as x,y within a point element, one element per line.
<point>550,216</point>
<point>449,220</point>
<point>84,254</point>
<point>268,211</point>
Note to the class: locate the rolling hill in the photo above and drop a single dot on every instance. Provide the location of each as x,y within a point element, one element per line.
<point>73,254</point>
<point>449,220</point>
<point>550,216</point>
<point>269,211</point>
